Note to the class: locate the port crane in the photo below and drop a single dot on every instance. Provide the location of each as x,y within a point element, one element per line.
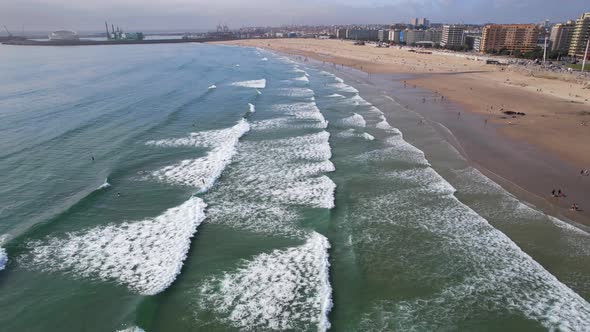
<point>8,32</point>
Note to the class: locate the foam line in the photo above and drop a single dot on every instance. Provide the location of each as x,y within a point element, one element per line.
<point>335,95</point>
<point>132,329</point>
<point>344,87</point>
<point>251,108</point>
<point>255,84</point>
<point>355,120</point>
<point>350,133</point>
<point>105,185</point>
<point>280,123</point>
<point>213,87</point>
<point>303,79</point>
<point>302,111</point>
<point>146,256</point>
<point>203,172</point>
<point>286,289</point>
<point>296,92</point>
<point>3,258</point>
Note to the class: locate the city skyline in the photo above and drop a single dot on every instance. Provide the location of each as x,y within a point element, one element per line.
<point>38,15</point>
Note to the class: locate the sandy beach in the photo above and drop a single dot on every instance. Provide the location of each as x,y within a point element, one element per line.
<point>556,124</point>
<point>556,105</point>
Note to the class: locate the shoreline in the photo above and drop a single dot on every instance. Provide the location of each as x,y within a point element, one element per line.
<point>529,171</point>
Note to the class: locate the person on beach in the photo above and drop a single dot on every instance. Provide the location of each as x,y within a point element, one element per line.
<point>459,115</point>
<point>575,207</point>
<point>553,193</point>
<point>485,122</point>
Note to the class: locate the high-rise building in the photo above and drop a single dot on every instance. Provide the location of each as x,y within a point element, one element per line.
<point>477,44</point>
<point>383,35</point>
<point>561,36</point>
<point>420,21</point>
<point>396,36</point>
<point>341,33</point>
<point>423,22</point>
<point>416,36</point>
<point>512,37</point>
<point>452,35</point>
<point>580,36</point>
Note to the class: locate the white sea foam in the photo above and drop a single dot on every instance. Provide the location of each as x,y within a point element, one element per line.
<point>213,87</point>
<point>286,289</point>
<point>398,150</point>
<point>301,111</point>
<point>359,101</point>
<point>251,108</point>
<point>266,218</point>
<point>500,276</point>
<point>335,95</point>
<point>105,185</point>
<point>299,70</point>
<point>350,133</point>
<point>132,329</point>
<point>296,92</point>
<point>303,79</point>
<point>146,255</point>
<point>3,258</point>
<point>277,123</point>
<point>203,172</point>
<point>355,120</point>
<point>264,59</point>
<point>344,87</point>
<point>384,124</point>
<point>338,79</point>
<point>286,171</point>
<point>255,84</point>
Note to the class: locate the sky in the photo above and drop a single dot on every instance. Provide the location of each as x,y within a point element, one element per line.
<point>151,15</point>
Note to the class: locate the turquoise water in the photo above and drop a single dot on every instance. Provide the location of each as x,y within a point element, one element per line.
<point>211,188</point>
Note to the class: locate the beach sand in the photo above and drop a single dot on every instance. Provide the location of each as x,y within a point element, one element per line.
<point>540,151</point>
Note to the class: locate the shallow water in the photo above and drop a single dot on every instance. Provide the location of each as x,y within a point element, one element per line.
<point>211,188</point>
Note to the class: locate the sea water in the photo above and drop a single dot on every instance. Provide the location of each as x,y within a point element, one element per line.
<point>212,188</point>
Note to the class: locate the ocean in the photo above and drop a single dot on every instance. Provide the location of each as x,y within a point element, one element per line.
<point>200,187</point>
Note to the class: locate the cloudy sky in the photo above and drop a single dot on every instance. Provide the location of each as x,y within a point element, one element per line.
<point>89,15</point>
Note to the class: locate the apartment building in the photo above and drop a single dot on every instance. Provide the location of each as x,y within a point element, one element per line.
<point>512,37</point>
<point>580,35</point>
<point>561,36</point>
<point>452,35</point>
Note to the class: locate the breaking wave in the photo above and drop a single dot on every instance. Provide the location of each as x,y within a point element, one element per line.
<point>286,289</point>
<point>202,172</point>
<point>355,120</point>
<point>255,84</point>
<point>146,256</point>
<point>105,185</point>
<point>3,258</point>
<point>350,133</point>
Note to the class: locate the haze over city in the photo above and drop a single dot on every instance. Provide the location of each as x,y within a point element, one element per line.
<point>41,15</point>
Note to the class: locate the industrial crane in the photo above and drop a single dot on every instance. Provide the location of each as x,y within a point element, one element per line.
<point>8,32</point>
